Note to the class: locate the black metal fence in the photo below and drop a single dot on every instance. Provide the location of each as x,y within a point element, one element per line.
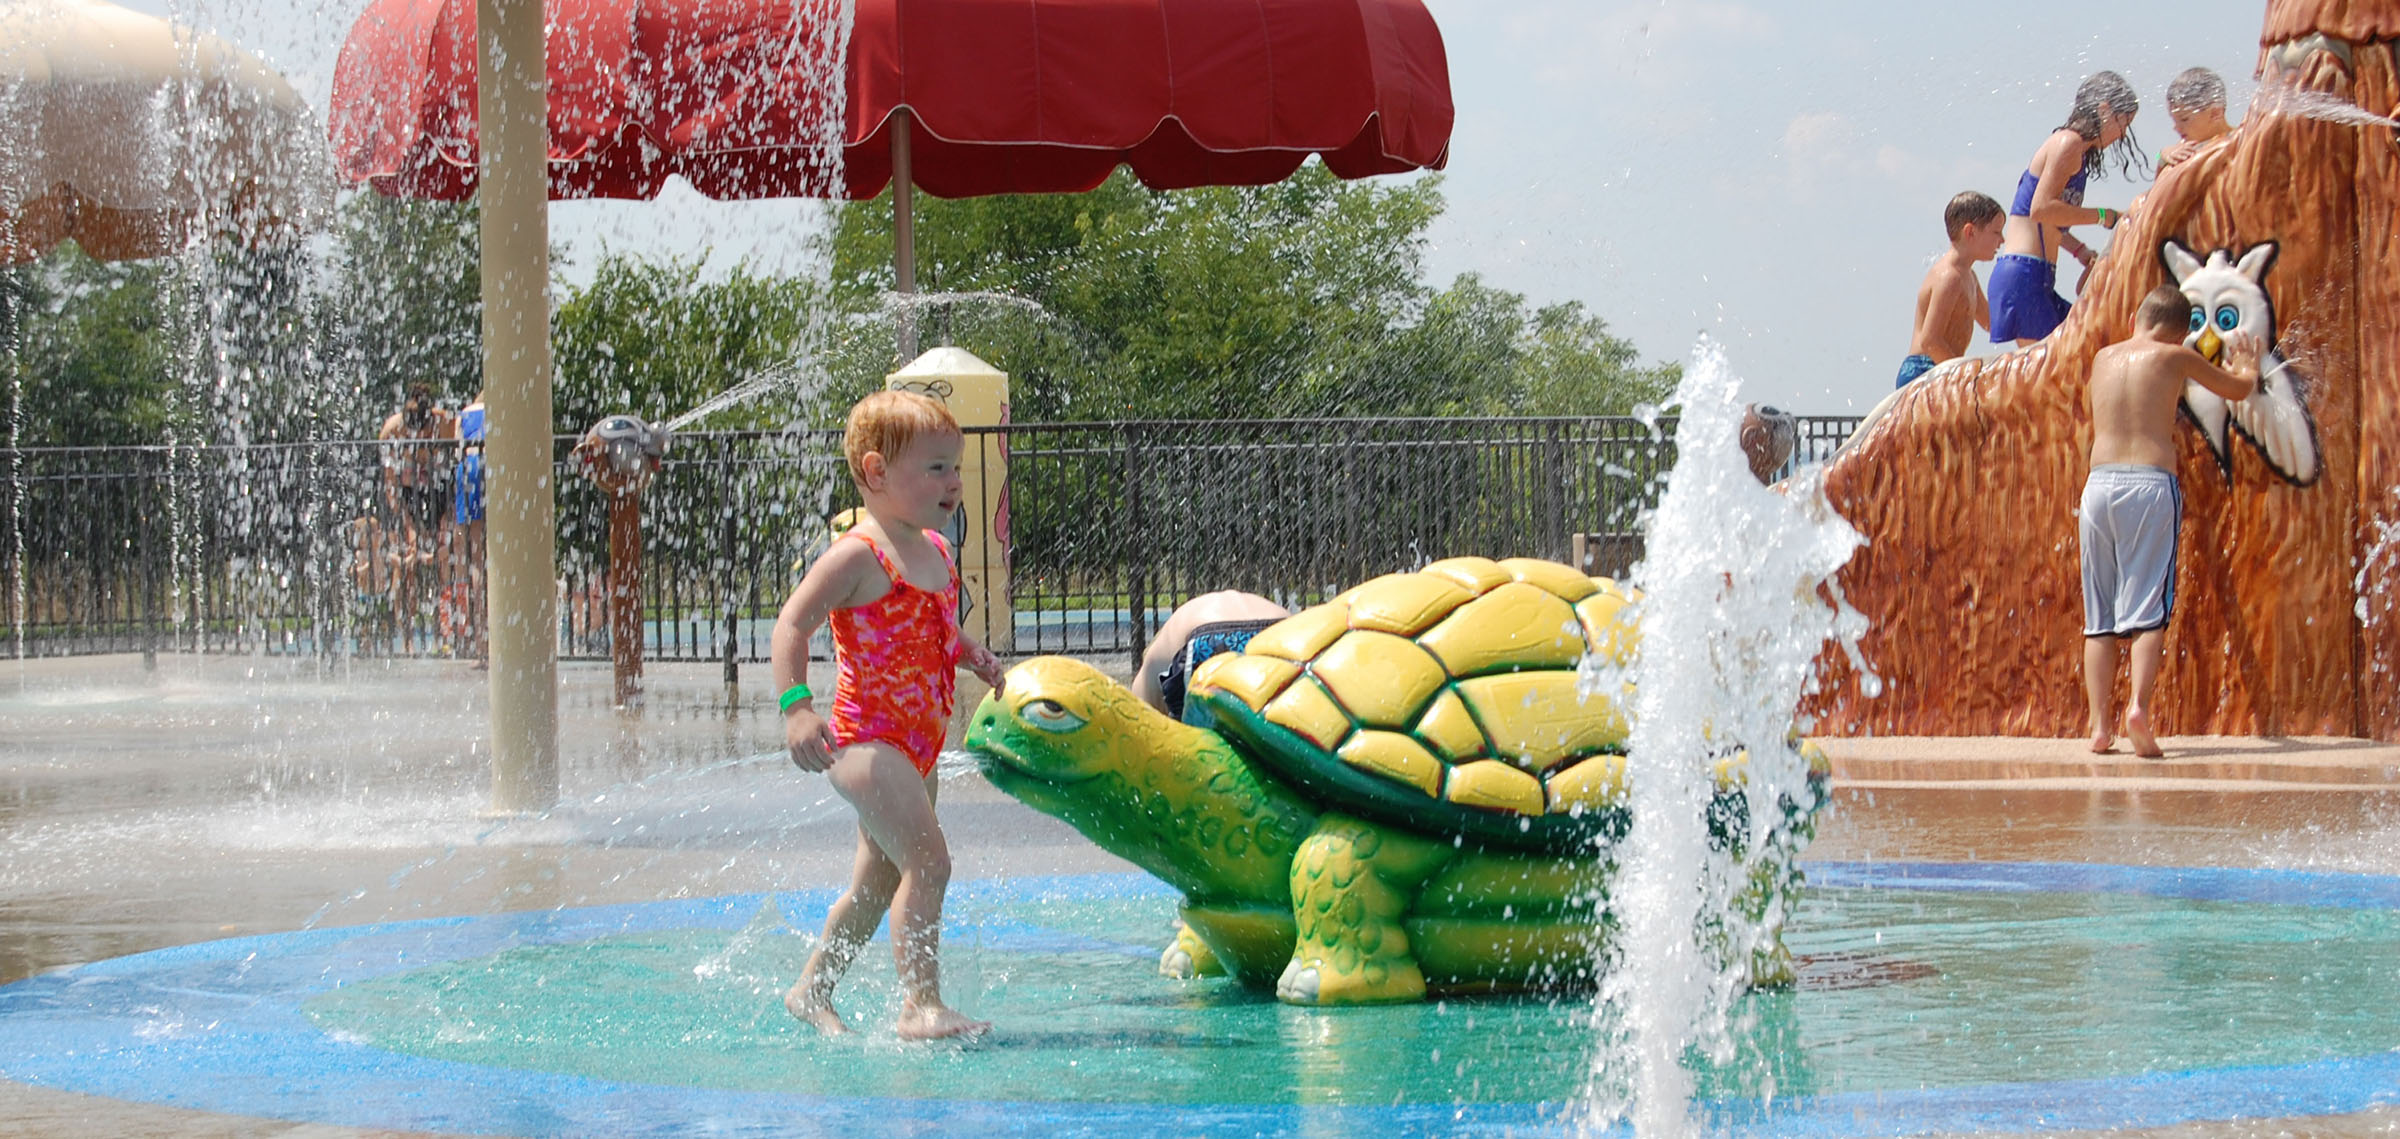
<point>305,549</point>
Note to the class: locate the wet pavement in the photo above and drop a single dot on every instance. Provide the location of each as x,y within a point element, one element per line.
<point>211,797</point>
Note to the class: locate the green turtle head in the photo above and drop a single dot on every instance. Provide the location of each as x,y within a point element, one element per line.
<point>1065,739</point>
<point>1058,723</point>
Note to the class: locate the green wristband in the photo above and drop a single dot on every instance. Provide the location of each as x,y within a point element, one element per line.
<point>793,695</point>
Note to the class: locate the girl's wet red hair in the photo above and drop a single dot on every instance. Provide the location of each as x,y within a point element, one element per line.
<point>887,422</point>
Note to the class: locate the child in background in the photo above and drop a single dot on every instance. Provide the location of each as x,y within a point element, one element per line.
<point>1950,303</point>
<point>463,578</point>
<point>891,590</point>
<point>2132,507</point>
<point>2196,103</point>
<point>2024,288</point>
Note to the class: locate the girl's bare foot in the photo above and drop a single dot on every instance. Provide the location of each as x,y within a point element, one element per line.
<point>938,1022</point>
<point>815,1010</point>
<point>2137,728</point>
<point>2102,742</point>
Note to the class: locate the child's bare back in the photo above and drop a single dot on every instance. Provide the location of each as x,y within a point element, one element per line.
<point>1949,306</point>
<point>1950,302</point>
<point>2137,384</point>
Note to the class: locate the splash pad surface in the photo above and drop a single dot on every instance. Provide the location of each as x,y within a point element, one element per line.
<point>1937,997</point>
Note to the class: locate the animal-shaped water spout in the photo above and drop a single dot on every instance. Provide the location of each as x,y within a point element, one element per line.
<point>1400,792</point>
<point>2227,298</point>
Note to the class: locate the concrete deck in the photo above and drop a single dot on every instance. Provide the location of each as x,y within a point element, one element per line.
<point>2214,763</point>
<point>214,797</point>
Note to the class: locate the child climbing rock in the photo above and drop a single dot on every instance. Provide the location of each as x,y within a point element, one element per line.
<point>2025,301</point>
<point>1950,302</point>
<point>2196,104</point>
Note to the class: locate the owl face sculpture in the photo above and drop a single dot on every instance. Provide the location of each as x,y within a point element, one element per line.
<point>2229,296</point>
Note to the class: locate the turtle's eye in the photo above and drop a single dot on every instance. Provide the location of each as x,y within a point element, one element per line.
<point>1050,716</point>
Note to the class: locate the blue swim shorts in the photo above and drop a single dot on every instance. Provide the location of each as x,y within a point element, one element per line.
<point>2025,300</point>
<point>467,504</point>
<point>1912,367</point>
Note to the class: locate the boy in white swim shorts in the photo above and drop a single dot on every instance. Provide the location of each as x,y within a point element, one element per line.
<point>2132,507</point>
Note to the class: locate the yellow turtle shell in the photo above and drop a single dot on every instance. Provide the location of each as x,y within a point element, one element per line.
<point>1446,698</point>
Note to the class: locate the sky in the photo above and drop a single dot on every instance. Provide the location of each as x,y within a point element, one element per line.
<point>1768,175</point>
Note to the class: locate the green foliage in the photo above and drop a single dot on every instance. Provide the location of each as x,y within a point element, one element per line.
<point>408,301</point>
<point>1305,298</point>
<point>260,375</point>
<point>1302,299</point>
<point>92,350</point>
<point>1568,364</point>
<point>658,339</point>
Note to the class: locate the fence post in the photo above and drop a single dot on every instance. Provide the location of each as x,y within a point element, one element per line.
<point>157,556</point>
<point>1137,586</point>
<point>20,591</point>
<point>1554,462</point>
<point>726,582</point>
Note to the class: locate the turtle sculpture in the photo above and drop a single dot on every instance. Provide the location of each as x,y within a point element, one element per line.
<point>1397,792</point>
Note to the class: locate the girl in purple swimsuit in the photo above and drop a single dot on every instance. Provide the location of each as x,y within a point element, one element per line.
<point>2024,284</point>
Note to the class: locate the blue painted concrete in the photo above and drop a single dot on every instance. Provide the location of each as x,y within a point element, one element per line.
<point>218,1026</point>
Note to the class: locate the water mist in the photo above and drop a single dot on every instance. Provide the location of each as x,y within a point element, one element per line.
<point>1737,606</point>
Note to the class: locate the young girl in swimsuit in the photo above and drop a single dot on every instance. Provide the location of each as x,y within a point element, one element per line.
<point>2024,287</point>
<point>891,591</point>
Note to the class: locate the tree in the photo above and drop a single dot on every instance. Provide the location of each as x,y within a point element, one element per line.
<point>659,339</point>
<point>1303,298</point>
<point>408,296</point>
<point>1570,365</point>
<point>92,351</point>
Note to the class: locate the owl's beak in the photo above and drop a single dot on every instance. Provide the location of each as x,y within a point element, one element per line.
<point>2209,344</point>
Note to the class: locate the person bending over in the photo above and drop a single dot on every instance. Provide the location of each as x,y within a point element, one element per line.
<point>1211,623</point>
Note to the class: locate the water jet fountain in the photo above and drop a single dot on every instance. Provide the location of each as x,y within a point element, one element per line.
<point>607,965</point>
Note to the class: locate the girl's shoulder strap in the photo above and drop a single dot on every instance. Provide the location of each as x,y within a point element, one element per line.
<point>942,545</point>
<point>881,558</point>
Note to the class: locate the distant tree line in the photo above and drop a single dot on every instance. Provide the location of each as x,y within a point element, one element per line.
<point>1303,299</point>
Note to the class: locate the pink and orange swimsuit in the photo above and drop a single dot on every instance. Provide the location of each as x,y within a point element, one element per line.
<point>899,664</point>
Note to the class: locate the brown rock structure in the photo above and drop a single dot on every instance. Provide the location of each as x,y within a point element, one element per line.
<point>2287,601</point>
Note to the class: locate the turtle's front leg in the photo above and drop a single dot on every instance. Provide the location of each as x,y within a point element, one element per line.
<point>1188,957</point>
<point>1352,881</point>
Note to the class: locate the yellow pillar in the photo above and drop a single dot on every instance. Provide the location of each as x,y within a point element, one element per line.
<point>520,527</point>
<point>977,395</point>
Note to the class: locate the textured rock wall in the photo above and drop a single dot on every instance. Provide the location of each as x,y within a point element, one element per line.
<point>2287,616</point>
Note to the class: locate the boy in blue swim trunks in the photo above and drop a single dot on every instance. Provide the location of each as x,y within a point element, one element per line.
<point>1950,302</point>
<point>2132,507</point>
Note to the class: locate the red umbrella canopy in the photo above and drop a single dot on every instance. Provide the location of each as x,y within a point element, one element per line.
<point>1006,96</point>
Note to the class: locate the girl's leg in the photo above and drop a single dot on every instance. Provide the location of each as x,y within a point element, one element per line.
<point>848,925</point>
<point>895,807</point>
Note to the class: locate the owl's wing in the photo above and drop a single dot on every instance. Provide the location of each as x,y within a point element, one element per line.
<point>2208,412</point>
<point>2275,419</point>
